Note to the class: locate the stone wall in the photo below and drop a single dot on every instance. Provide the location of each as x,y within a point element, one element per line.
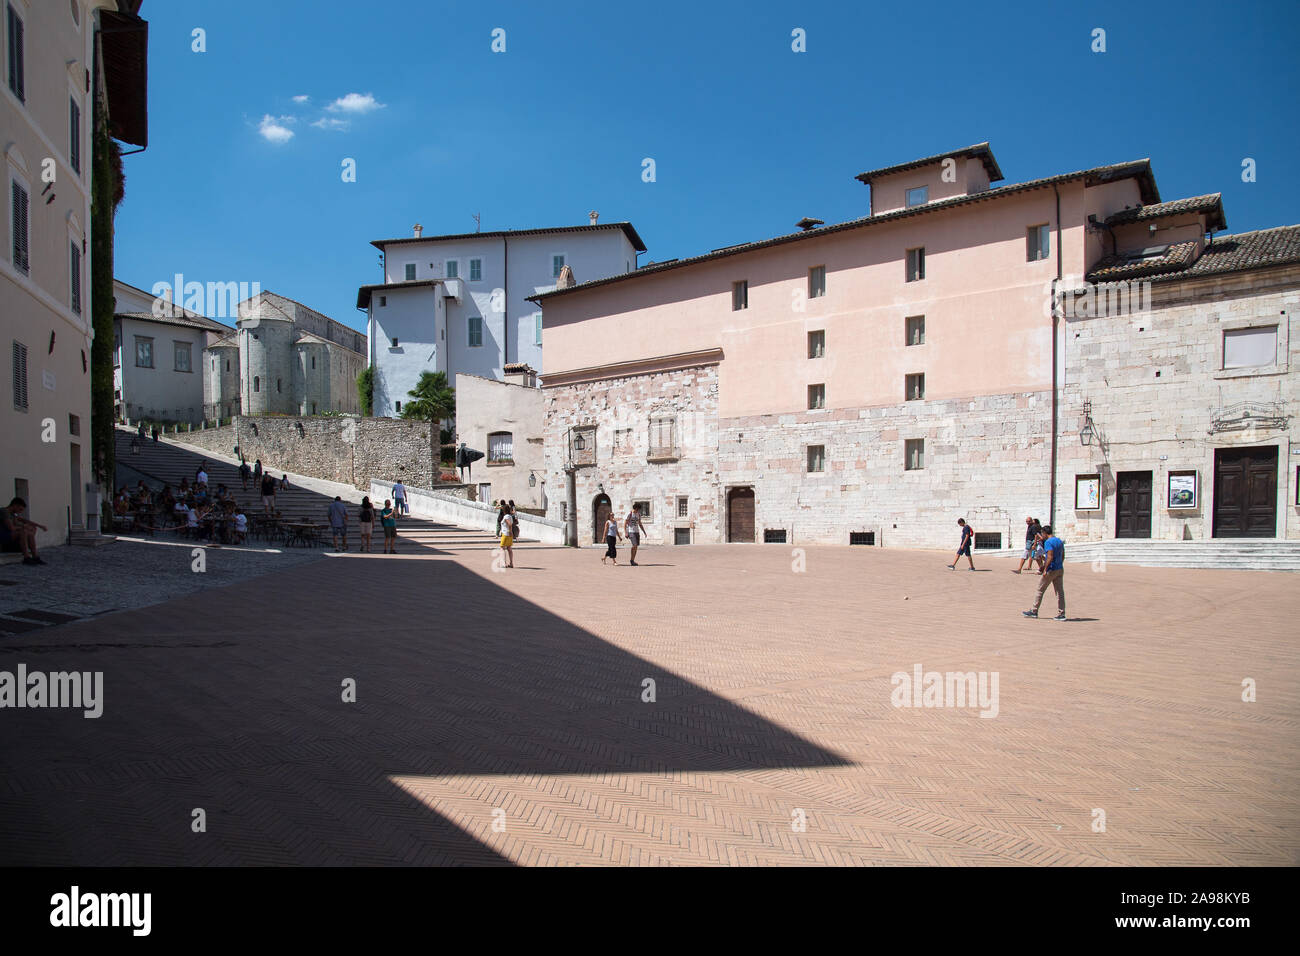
<point>1156,383</point>
<point>356,451</point>
<point>985,459</point>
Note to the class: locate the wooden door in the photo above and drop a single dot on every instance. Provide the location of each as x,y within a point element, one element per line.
<point>1245,493</point>
<point>600,512</point>
<point>740,514</point>
<point>1133,504</point>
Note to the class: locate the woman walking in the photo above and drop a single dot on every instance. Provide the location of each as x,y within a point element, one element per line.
<point>367,521</point>
<point>612,537</point>
<point>388,518</point>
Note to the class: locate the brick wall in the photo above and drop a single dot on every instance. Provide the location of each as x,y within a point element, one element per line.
<point>351,450</point>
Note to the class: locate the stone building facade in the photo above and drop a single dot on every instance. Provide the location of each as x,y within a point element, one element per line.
<point>504,420</point>
<point>283,359</point>
<point>872,381</point>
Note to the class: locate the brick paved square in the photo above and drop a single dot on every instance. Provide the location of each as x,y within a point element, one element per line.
<point>502,717</point>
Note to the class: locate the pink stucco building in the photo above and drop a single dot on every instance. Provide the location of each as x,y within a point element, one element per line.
<point>873,380</point>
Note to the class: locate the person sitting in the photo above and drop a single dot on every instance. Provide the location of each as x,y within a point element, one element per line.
<point>17,533</point>
<point>241,526</point>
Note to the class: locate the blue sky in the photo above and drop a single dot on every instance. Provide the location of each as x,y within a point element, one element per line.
<point>747,136</point>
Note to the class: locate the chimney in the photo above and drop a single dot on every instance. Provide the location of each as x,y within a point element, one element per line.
<point>419,230</point>
<point>565,280</point>
<point>807,223</point>
<point>593,216</point>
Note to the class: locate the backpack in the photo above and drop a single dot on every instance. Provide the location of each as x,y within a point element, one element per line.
<point>514,526</point>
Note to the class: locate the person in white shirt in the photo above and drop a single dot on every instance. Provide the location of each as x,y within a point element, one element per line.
<point>399,498</point>
<point>241,526</point>
<point>632,525</point>
<point>202,476</point>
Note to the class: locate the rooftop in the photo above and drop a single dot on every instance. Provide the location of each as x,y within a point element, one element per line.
<point>979,151</point>
<point>627,228</point>
<point>1261,249</point>
<point>1211,203</point>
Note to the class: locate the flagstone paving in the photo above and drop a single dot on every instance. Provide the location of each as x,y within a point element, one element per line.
<point>509,716</point>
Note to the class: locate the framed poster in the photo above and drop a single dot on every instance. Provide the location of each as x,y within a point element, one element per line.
<point>1087,492</point>
<point>1182,490</point>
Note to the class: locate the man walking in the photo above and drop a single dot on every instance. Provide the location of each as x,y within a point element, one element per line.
<point>632,525</point>
<point>338,522</point>
<point>1054,550</point>
<point>245,473</point>
<point>399,497</point>
<point>963,547</point>
<point>268,493</point>
<point>1032,528</point>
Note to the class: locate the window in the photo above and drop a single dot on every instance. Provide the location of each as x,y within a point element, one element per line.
<point>817,344</point>
<point>537,329</point>
<point>313,408</point>
<point>681,536</point>
<point>557,265</point>
<point>816,282</point>
<point>20,376</point>
<point>501,447</point>
<point>739,295</point>
<point>394,341</point>
<point>74,136</point>
<point>862,537</point>
<point>476,270</point>
<point>117,351</point>
<point>227,365</point>
<point>183,357</point>
<point>663,436</point>
<point>143,352</point>
<point>452,269</point>
<point>1038,243</point>
<point>14,35</point>
<point>988,540</point>
<point>74,267</point>
<point>475,331</point>
<point>683,507</point>
<point>918,196</point>
<point>916,264</point>
<point>74,424</point>
<point>277,386</point>
<point>1248,348</point>
<point>774,535</point>
<point>257,383</point>
<point>410,271</point>
<point>914,454</point>
<point>914,387</point>
<point>645,508</point>
<point>816,459</point>
<point>383,301</point>
<point>21,230</point>
<point>816,396</point>
<point>915,330</point>
<point>313,361</point>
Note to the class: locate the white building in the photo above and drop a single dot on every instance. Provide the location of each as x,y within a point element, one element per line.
<point>157,350</point>
<point>459,303</point>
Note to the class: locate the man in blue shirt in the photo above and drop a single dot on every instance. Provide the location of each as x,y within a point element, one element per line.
<point>1054,553</point>
<point>963,546</point>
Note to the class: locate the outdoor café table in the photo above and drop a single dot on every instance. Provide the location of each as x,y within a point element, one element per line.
<point>298,533</point>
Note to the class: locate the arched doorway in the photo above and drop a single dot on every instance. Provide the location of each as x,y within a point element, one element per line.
<point>600,511</point>
<point>740,514</point>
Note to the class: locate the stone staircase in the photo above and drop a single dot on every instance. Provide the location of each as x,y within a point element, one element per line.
<point>1244,554</point>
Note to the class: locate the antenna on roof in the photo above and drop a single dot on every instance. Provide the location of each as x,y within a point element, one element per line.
<point>478,224</point>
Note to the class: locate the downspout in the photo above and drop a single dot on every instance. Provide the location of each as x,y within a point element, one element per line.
<point>1055,349</point>
<point>505,306</point>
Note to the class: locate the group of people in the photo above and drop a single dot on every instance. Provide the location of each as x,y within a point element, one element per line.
<point>207,514</point>
<point>631,526</point>
<point>338,518</point>
<point>267,484</point>
<point>1042,546</point>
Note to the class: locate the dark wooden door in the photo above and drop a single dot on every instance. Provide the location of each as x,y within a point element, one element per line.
<point>600,511</point>
<point>740,514</point>
<point>1133,504</point>
<point>1245,493</point>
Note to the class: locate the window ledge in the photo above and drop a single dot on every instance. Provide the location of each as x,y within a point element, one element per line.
<point>1248,372</point>
<point>501,462</point>
<point>663,456</point>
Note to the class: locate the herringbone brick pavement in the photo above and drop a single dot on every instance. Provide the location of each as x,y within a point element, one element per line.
<point>500,716</point>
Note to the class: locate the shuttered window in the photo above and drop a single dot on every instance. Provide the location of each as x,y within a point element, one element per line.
<point>14,59</point>
<point>74,135</point>
<point>74,264</point>
<point>20,376</point>
<point>21,234</point>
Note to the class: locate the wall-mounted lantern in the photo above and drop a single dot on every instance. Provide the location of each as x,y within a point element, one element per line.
<point>532,480</point>
<point>1089,431</point>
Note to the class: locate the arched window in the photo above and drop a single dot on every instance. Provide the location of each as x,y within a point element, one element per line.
<point>277,385</point>
<point>257,383</point>
<point>501,447</point>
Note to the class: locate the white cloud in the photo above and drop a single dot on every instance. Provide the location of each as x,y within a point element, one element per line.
<point>301,98</point>
<point>355,103</point>
<point>274,132</point>
<point>331,122</point>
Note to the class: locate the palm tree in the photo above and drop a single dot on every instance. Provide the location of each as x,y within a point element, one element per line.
<point>434,400</point>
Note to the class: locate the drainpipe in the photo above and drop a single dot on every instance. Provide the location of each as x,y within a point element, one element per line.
<point>571,492</point>
<point>505,315</point>
<point>1051,513</point>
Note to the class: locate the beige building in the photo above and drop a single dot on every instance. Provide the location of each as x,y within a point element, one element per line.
<point>505,421</point>
<point>46,112</point>
<point>871,381</point>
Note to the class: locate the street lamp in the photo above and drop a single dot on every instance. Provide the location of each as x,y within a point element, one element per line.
<point>1088,432</point>
<point>532,480</point>
<point>579,443</point>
